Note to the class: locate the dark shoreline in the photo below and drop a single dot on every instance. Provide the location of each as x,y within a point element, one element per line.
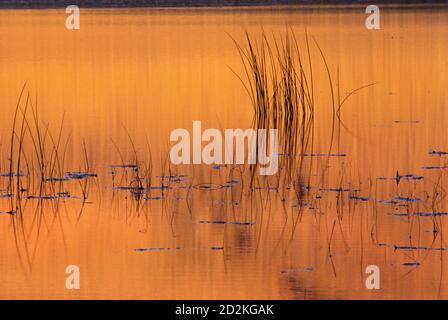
<point>42,4</point>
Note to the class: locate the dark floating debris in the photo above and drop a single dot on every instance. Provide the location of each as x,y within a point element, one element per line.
<point>177,176</point>
<point>213,222</point>
<point>51,179</point>
<point>406,199</point>
<point>208,186</point>
<point>152,198</point>
<point>59,195</point>
<point>137,189</point>
<point>124,166</point>
<point>422,214</point>
<point>398,201</point>
<point>411,264</point>
<point>240,223</point>
<point>358,198</point>
<point>339,190</point>
<point>63,194</point>
<point>301,205</point>
<point>399,177</point>
<point>407,121</point>
<point>434,167</point>
<point>231,184</point>
<point>71,176</point>
<point>324,155</point>
<point>398,247</point>
<point>388,201</point>
<point>439,153</point>
<point>132,189</point>
<point>156,249</point>
<point>79,175</point>
<point>409,176</point>
<point>12,174</point>
<point>312,154</point>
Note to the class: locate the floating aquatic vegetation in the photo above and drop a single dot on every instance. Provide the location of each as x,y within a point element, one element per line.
<point>124,166</point>
<point>231,184</point>
<point>156,249</point>
<point>399,201</point>
<point>153,198</point>
<point>213,222</point>
<point>177,176</point>
<point>439,153</point>
<point>311,154</point>
<point>228,186</point>
<point>240,223</point>
<point>302,205</point>
<point>79,175</point>
<point>129,188</point>
<point>64,194</point>
<point>208,186</point>
<point>12,174</point>
<point>409,176</point>
<point>324,155</point>
<point>139,188</point>
<point>388,201</point>
<point>406,199</point>
<point>42,197</point>
<point>338,190</point>
<point>52,179</point>
<point>422,214</point>
<point>399,247</point>
<point>358,198</point>
<point>411,264</point>
<point>58,195</point>
<point>407,121</point>
<point>434,167</point>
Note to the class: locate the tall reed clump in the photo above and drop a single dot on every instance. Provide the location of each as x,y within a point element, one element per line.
<point>279,77</point>
<point>36,180</point>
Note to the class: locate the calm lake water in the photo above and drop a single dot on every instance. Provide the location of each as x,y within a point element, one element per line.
<point>127,78</point>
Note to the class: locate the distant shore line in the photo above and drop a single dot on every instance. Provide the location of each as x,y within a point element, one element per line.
<point>47,4</point>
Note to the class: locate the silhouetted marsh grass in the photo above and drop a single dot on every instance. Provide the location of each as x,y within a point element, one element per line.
<point>37,180</point>
<point>279,76</point>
